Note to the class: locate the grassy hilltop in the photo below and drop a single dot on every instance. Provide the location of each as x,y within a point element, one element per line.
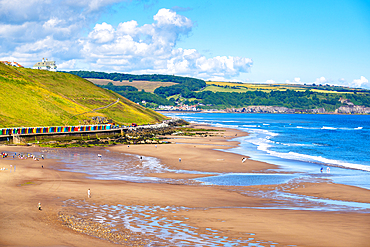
<point>41,98</point>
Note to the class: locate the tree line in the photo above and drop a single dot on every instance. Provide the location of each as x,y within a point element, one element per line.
<point>189,91</point>
<point>130,77</point>
<point>133,94</point>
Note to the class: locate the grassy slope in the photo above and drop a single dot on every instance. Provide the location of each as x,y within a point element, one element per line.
<point>41,98</point>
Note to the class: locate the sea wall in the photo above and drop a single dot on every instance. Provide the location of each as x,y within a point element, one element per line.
<point>143,130</point>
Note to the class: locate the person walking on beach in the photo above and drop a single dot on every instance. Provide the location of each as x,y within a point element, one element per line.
<point>39,206</point>
<point>88,193</point>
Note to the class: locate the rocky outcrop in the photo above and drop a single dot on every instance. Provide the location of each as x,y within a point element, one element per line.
<point>318,110</point>
<point>353,109</point>
<point>347,109</point>
<point>273,109</point>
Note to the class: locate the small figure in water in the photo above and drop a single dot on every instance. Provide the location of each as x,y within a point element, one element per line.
<point>99,156</point>
<point>42,156</point>
<point>321,169</point>
<point>328,169</point>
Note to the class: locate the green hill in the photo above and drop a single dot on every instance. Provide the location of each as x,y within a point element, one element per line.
<point>41,98</point>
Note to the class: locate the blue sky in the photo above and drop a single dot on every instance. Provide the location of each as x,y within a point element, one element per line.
<point>322,42</point>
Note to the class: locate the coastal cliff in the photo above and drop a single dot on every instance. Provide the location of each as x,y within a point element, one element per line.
<point>273,109</point>
<point>353,109</point>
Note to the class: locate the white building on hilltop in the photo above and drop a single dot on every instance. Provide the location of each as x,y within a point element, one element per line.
<point>46,65</point>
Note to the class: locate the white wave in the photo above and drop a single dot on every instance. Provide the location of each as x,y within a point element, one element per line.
<point>224,125</point>
<point>263,143</point>
<point>339,128</point>
<point>200,122</point>
<point>261,134</point>
<point>328,128</point>
<point>296,144</point>
<point>152,164</point>
<point>318,159</point>
<point>307,128</point>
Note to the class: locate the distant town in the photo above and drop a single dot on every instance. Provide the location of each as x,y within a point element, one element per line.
<point>183,107</point>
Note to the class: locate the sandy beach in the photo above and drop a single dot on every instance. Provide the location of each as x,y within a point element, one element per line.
<point>174,210</point>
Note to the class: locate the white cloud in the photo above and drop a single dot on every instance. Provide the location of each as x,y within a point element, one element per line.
<point>102,33</point>
<point>321,80</point>
<point>270,82</point>
<point>169,18</point>
<point>360,83</point>
<point>151,49</point>
<point>33,29</point>
<point>342,80</point>
<point>67,65</point>
<point>296,80</point>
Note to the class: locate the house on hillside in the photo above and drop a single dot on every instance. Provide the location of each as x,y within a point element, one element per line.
<point>15,64</point>
<point>46,65</point>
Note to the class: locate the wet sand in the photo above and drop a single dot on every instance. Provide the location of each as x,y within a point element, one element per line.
<point>201,213</point>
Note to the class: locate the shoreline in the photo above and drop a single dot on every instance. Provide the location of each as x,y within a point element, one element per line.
<point>230,211</point>
<point>225,111</point>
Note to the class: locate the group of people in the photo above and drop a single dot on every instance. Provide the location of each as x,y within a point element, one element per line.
<point>327,169</point>
<point>21,156</point>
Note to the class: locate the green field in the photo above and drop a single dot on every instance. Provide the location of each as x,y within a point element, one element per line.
<point>41,98</point>
<point>147,86</point>
<point>243,87</point>
<point>215,89</point>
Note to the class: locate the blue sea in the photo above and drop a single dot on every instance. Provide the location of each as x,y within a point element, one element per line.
<point>302,142</point>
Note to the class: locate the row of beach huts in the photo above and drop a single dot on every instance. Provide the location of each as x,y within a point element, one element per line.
<point>14,131</point>
<point>58,129</point>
